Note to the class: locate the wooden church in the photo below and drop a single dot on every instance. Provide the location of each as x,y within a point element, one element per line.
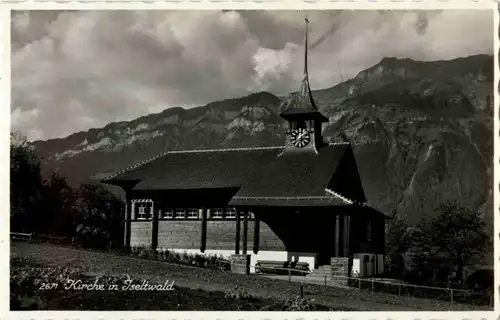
<point>302,201</point>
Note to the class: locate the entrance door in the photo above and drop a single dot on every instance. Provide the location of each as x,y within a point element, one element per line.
<point>323,259</point>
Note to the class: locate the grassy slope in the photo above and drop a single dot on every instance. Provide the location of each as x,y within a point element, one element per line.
<point>194,278</point>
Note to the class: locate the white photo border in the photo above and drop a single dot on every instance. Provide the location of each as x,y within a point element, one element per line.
<point>5,55</point>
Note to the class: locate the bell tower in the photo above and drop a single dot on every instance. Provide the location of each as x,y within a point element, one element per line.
<point>303,117</point>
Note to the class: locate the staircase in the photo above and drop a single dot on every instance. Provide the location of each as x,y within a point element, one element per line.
<point>321,274</point>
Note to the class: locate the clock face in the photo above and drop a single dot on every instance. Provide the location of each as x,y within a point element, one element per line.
<point>300,137</point>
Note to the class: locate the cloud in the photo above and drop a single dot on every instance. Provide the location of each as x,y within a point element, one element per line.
<point>73,70</point>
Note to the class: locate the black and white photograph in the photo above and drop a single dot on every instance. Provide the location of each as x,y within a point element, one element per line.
<point>252,160</point>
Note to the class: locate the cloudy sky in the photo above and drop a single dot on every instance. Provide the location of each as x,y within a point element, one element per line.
<point>72,71</point>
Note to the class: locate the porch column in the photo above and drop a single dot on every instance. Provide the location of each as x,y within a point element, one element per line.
<point>132,208</point>
<point>245,231</point>
<point>337,235</point>
<point>256,234</point>
<point>382,236</point>
<point>203,241</point>
<point>154,228</point>
<point>237,236</point>
<point>341,235</point>
<point>347,235</point>
<point>128,218</point>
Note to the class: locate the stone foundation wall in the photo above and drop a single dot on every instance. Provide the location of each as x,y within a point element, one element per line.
<point>240,263</point>
<point>181,234</point>
<point>340,270</point>
<point>186,234</point>
<point>140,234</point>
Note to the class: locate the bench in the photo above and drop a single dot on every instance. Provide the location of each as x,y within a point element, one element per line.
<point>282,267</point>
<point>19,236</point>
<point>43,238</point>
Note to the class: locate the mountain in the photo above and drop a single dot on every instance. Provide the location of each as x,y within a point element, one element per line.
<point>422,133</point>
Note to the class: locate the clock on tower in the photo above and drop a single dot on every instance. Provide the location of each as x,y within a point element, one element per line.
<point>300,137</point>
<point>303,117</point>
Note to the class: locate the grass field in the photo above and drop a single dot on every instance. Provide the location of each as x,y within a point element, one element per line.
<point>203,289</point>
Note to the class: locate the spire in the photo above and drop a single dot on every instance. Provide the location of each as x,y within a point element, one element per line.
<point>305,49</point>
<point>303,104</point>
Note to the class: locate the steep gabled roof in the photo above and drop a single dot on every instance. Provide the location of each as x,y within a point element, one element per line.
<point>196,169</point>
<point>299,179</point>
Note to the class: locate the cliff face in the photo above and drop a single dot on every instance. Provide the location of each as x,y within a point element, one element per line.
<point>422,133</point>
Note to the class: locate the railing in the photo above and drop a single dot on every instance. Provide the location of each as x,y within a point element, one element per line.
<point>374,285</point>
<point>401,289</point>
<point>21,236</point>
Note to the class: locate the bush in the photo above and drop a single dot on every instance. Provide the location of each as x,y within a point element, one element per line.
<point>212,262</point>
<point>299,304</point>
<point>28,280</point>
<point>238,293</point>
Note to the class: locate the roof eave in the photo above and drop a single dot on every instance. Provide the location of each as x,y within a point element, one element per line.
<point>125,184</point>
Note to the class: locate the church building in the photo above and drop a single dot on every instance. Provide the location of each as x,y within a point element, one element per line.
<point>302,201</point>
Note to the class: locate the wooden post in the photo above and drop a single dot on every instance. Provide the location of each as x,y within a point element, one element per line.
<point>347,235</point>
<point>341,235</point>
<point>382,236</point>
<point>245,231</point>
<point>337,236</point>
<point>128,222</point>
<point>203,240</point>
<point>154,228</point>
<point>256,235</point>
<point>237,236</point>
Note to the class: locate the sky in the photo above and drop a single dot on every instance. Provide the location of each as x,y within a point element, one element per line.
<point>76,70</point>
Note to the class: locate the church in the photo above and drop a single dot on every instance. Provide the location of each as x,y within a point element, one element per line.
<point>302,201</point>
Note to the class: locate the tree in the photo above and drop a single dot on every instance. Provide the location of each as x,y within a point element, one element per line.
<point>57,207</point>
<point>398,242</point>
<point>455,235</point>
<point>398,235</point>
<point>25,185</point>
<point>100,216</point>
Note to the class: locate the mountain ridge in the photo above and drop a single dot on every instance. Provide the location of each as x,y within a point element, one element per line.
<point>412,124</point>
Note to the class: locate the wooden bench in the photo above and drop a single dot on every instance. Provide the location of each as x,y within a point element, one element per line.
<point>282,267</point>
<point>43,238</point>
<point>19,236</point>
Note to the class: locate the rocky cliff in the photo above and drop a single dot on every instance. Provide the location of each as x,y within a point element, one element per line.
<point>422,133</point>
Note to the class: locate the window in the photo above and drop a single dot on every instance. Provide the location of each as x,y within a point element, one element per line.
<point>217,213</point>
<point>231,213</point>
<point>168,213</point>
<point>180,213</point>
<point>242,215</point>
<point>193,213</point>
<point>141,211</point>
<point>252,216</point>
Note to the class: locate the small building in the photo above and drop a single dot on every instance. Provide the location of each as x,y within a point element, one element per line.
<point>302,201</point>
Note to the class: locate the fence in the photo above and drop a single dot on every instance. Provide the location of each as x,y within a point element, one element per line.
<point>394,288</point>
<point>369,284</point>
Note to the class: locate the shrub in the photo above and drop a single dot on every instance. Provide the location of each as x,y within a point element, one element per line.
<point>299,304</point>
<point>213,262</point>
<point>28,281</point>
<point>238,293</point>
